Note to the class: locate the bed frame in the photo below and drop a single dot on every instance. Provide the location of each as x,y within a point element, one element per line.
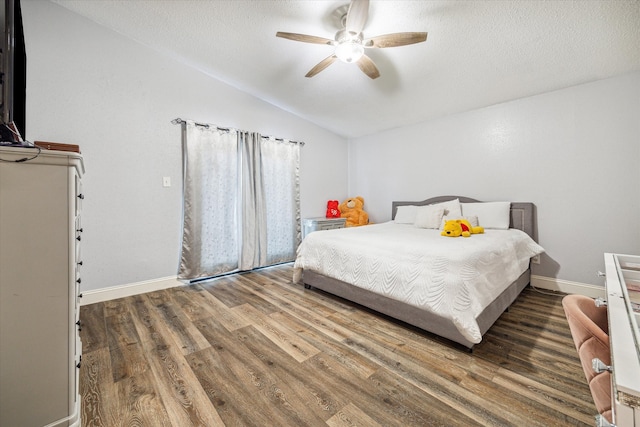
<point>522,218</point>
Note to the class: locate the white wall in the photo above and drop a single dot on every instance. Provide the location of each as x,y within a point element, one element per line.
<point>115,98</point>
<point>575,153</point>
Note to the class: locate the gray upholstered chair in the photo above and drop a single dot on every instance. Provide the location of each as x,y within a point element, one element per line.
<point>590,331</point>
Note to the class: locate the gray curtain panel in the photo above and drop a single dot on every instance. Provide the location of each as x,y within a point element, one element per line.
<point>253,252</point>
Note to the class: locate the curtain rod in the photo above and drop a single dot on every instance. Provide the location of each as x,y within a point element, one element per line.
<point>283,140</point>
<point>178,121</point>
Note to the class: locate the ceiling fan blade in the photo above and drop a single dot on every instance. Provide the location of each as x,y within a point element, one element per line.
<point>305,38</point>
<point>368,67</point>
<point>394,40</point>
<point>321,65</point>
<point>357,16</point>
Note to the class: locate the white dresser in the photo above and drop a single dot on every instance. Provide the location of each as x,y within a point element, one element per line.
<point>310,225</point>
<point>40,236</point>
<point>623,308</point>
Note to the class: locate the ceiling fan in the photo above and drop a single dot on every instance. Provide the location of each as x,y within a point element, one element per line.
<point>350,44</point>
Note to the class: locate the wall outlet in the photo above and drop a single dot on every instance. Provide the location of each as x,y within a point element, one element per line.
<point>535,259</point>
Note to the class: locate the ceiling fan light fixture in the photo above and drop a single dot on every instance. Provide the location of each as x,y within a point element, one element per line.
<point>349,51</point>
<point>349,43</point>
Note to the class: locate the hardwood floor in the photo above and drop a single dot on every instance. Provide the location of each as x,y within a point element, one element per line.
<point>256,350</point>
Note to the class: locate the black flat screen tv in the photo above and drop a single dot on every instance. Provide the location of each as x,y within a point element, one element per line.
<point>13,72</point>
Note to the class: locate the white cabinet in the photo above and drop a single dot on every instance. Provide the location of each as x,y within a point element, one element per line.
<point>315,224</point>
<point>623,308</point>
<point>40,234</point>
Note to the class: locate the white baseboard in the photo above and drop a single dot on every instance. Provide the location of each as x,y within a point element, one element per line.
<point>121,291</point>
<point>566,286</point>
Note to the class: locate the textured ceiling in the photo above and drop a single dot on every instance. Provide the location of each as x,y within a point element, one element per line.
<point>477,53</point>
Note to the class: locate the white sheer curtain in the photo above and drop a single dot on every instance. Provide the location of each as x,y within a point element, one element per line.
<point>210,239</point>
<point>281,167</point>
<point>241,204</point>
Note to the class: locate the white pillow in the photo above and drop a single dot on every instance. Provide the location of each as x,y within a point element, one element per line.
<point>405,214</point>
<point>490,214</point>
<point>452,207</point>
<point>429,216</point>
<point>473,220</point>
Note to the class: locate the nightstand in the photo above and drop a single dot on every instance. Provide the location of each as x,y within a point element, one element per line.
<point>310,225</point>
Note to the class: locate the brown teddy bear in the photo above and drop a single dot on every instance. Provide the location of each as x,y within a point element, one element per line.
<point>351,209</point>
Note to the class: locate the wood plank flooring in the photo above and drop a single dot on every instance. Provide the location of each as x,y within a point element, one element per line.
<point>257,350</point>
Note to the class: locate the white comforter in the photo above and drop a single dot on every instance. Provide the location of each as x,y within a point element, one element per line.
<point>456,278</point>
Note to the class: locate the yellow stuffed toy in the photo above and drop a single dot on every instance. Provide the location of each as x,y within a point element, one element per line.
<point>351,209</point>
<point>459,227</point>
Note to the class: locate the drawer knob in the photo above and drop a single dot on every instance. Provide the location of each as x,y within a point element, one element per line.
<point>81,263</point>
<point>81,196</point>
<point>79,280</point>
<point>78,238</point>
<point>80,230</point>
<point>79,295</point>
<point>600,302</point>
<point>598,366</point>
<point>79,325</point>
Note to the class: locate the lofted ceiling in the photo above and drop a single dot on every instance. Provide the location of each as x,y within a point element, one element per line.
<point>478,52</point>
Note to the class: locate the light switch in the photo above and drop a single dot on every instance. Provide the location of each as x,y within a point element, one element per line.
<point>166,181</point>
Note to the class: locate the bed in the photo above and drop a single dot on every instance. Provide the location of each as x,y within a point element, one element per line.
<point>455,288</point>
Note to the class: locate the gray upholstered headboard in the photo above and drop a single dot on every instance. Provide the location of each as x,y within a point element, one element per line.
<point>522,213</point>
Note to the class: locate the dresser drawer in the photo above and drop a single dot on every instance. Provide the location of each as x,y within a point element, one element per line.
<point>330,226</point>
<point>310,225</point>
<point>79,194</point>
